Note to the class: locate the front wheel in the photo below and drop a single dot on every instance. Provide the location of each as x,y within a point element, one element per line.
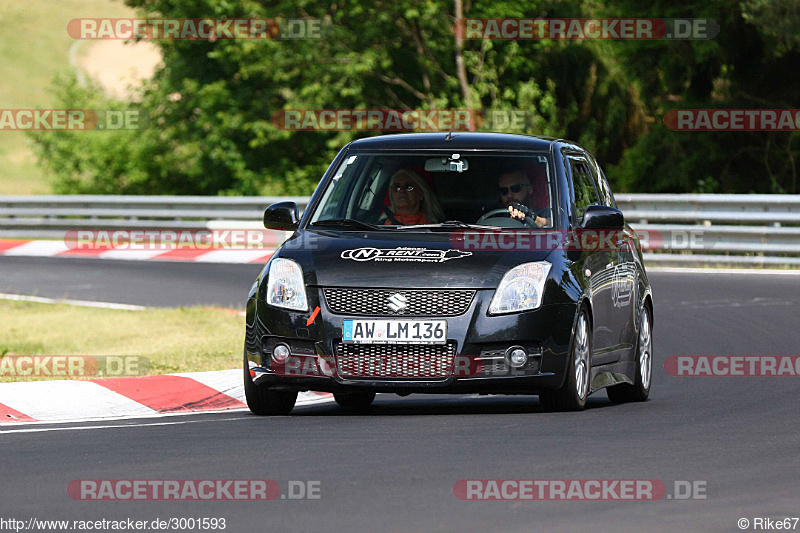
<point>573,393</point>
<point>354,400</point>
<point>263,401</point>
<point>640,390</point>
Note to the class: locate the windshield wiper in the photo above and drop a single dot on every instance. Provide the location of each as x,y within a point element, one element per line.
<point>348,223</point>
<point>448,225</point>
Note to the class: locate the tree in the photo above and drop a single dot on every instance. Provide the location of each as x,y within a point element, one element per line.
<point>209,107</point>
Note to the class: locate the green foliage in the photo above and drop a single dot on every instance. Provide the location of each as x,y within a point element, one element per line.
<point>751,64</point>
<point>209,108</point>
<point>96,162</point>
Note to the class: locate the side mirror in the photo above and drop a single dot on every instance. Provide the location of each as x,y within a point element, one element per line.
<point>281,216</point>
<point>603,217</point>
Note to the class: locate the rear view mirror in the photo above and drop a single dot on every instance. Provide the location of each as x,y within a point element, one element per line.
<point>453,163</point>
<point>281,216</point>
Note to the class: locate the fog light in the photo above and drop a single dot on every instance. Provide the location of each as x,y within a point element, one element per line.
<point>516,356</point>
<point>280,353</point>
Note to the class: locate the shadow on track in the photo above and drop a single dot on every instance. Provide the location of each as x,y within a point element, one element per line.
<point>429,405</point>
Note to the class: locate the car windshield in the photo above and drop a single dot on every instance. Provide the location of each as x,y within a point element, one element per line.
<point>436,191</point>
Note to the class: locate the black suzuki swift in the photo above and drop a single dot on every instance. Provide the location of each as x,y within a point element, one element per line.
<point>452,263</point>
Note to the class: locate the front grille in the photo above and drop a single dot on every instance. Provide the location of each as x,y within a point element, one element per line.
<point>495,367</point>
<point>419,302</point>
<point>494,364</point>
<point>375,361</point>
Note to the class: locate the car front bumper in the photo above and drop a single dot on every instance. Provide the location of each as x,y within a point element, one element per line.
<point>477,342</point>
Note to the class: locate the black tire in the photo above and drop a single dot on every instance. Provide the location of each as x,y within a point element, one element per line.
<point>640,390</point>
<point>354,400</point>
<point>573,393</point>
<point>263,401</point>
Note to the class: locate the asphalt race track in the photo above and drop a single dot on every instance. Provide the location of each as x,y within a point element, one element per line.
<point>157,284</point>
<point>394,469</point>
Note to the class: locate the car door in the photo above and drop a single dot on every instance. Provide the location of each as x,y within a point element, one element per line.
<point>598,262</point>
<point>625,282</point>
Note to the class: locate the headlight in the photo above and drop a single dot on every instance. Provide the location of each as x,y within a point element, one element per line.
<point>285,287</point>
<point>520,289</point>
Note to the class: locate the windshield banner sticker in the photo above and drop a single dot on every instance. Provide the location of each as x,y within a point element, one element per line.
<point>418,255</point>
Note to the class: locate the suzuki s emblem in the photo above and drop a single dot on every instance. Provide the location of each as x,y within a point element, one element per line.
<point>398,303</point>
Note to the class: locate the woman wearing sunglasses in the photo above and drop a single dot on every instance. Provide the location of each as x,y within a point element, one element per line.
<point>411,200</point>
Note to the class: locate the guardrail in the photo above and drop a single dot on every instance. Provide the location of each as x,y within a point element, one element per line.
<point>728,229</point>
<point>769,209</point>
<point>43,216</point>
<point>691,229</point>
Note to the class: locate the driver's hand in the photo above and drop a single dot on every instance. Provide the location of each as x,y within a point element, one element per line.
<point>520,215</point>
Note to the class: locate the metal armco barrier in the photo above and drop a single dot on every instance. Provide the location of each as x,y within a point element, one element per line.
<point>723,229</point>
<point>689,229</point>
<point>762,209</point>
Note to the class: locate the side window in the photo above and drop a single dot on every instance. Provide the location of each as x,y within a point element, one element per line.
<point>606,196</point>
<point>585,193</point>
<point>332,199</point>
<point>605,190</point>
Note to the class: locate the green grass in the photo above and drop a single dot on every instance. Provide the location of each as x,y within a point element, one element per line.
<point>173,340</point>
<point>34,46</point>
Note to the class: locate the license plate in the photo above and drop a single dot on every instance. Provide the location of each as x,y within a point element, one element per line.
<point>358,331</point>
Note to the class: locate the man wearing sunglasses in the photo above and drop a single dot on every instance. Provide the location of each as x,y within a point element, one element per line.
<point>514,189</point>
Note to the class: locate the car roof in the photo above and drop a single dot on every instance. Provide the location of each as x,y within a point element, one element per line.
<point>459,140</point>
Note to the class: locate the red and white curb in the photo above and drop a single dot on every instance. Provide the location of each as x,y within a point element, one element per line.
<point>130,397</point>
<point>58,248</point>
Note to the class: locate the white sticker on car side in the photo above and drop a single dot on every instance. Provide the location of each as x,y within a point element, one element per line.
<point>622,288</point>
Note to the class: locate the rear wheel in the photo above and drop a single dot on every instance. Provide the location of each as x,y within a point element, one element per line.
<point>354,400</point>
<point>573,393</point>
<point>264,401</point>
<point>640,390</point>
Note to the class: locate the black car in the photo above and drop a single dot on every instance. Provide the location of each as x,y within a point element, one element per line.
<point>452,263</point>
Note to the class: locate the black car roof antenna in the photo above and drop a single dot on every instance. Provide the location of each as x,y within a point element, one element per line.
<point>449,136</point>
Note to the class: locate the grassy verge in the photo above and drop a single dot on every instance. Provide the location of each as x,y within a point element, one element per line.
<point>173,340</point>
<point>34,47</point>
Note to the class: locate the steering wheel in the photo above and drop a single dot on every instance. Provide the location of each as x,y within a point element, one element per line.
<point>529,222</point>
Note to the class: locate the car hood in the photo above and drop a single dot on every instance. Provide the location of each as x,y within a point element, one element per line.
<point>400,259</point>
